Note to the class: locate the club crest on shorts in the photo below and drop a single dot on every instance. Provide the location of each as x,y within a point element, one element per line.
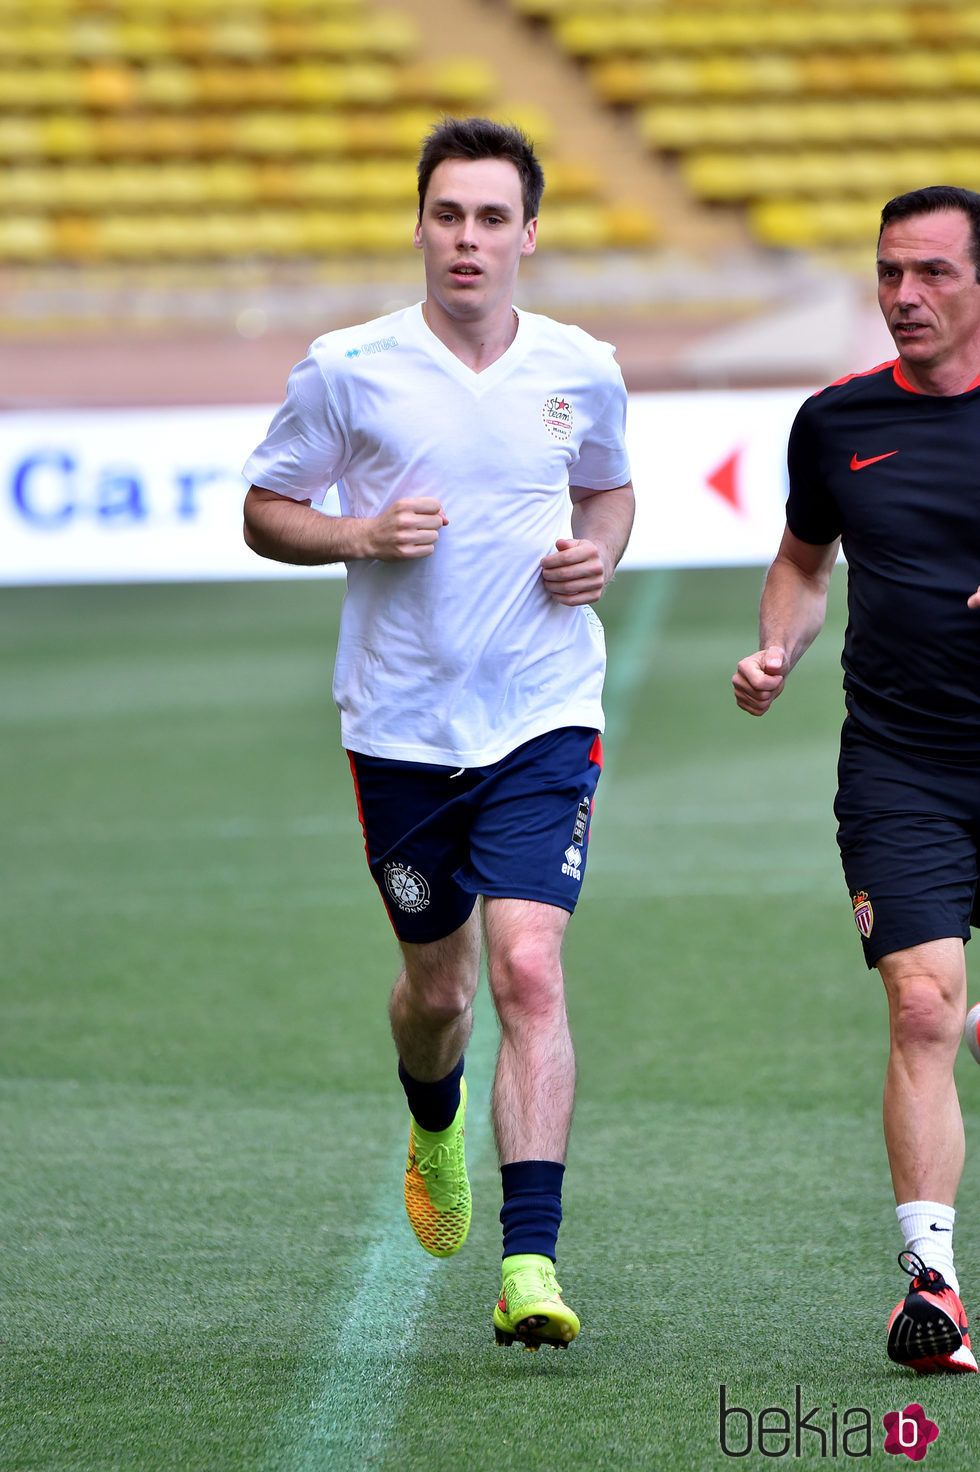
<point>864,915</point>
<point>557,416</point>
<point>407,887</point>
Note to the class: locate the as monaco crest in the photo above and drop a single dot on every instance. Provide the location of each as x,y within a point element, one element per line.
<point>864,916</point>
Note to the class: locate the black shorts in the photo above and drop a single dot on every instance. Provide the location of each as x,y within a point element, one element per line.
<point>908,832</point>
<point>436,837</point>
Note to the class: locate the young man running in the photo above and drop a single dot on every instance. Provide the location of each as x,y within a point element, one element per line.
<point>485,499</point>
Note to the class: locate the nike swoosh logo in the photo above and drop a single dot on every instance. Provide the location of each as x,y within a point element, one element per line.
<point>933,1226</point>
<point>857,464</point>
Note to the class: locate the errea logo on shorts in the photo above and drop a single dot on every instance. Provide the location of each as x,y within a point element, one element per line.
<point>407,887</point>
<point>557,416</point>
<point>572,867</point>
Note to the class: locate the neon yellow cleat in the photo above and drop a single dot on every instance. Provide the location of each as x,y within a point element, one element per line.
<point>530,1307</point>
<point>437,1193</point>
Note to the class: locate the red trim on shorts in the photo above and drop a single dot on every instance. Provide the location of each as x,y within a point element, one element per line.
<point>595,755</point>
<point>360,810</point>
<point>367,851</point>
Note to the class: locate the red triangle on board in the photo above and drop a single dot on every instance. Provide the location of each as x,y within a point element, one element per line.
<point>724,480</point>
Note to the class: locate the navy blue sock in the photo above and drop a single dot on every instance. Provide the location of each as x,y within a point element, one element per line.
<point>531,1213</point>
<point>433,1106</point>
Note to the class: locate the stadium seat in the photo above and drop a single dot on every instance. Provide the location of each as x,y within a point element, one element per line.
<point>26,238</point>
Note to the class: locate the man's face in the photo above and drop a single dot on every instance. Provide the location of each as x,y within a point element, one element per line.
<point>928,292</point>
<point>472,234</point>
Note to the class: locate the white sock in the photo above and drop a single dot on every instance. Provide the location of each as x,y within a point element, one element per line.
<point>928,1230</point>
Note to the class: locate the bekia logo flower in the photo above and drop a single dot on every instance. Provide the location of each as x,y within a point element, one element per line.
<point>909,1431</point>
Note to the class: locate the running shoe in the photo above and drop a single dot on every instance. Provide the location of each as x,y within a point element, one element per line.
<point>437,1192</point>
<point>530,1308</point>
<point>928,1329</point>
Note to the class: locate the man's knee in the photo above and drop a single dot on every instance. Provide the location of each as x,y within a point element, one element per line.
<point>526,980</point>
<point>926,1009</point>
<point>440,978</point>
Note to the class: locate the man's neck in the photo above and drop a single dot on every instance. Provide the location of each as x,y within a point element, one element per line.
<point>476,344</point>
<point>942,381</point>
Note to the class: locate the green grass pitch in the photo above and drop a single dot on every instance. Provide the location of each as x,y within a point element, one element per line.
<point>204,1263</point>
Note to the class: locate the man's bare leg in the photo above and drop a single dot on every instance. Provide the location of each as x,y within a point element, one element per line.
<point>431,1013</point>
<point>533,1098</point>
<point>431,1007</point>
<point>534,1086</point>
<point>926,987</point>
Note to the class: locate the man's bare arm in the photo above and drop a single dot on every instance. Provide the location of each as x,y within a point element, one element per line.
<point>291,531</point>
<point>582,565</point>
<point>792,613</point>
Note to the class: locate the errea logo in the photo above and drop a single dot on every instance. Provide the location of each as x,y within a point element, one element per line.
<point>572,867</point>
<point>381,345</point>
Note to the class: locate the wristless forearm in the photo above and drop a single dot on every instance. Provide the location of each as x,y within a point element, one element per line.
<point>295,533</point>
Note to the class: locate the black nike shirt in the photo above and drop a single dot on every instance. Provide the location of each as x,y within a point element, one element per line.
<point>896,475</point>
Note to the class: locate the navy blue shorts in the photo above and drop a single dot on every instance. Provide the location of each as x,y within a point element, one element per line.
<point>909,833</point>
<point>436,837</point>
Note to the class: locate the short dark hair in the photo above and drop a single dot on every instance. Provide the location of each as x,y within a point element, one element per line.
<point>933,200</point>
<point>476,138</point>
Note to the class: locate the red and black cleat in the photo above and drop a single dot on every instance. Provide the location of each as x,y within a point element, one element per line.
<point>928,1330</point>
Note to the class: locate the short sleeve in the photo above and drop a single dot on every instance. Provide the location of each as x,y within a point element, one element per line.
<point>307,448</point>
<point>812,514</point>
<point>603,463</point>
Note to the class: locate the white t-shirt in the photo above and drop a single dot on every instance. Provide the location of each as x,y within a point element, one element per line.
<point>456,658</point>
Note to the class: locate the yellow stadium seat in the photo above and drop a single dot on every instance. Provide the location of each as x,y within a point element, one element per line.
<point>572,227</point>
<point>26,238</point>
<point>321,232</point>
<point>243,36</point>
<point>965,67</point>
<point>463,81</point>
<point>109,84</point>
<point>229,181</point>
<point>144,37</point>
<point>382,231</point>
<point>76,237</point>
<point>384,180</point>
<point>671,76</point>
<point>621,80</point>
<point>66,135</point>
<point>35,40</point>
<point>580,179</point>
<point>267,132</point>
<point>825,72</point>
<point>21,137</point>
<point>321,133</point>
<point>169,84</point>
<point>35,88</point>
<point>720,176</point>
<point>725,74</point>
<point>629,227</point>
<point>25,190</point>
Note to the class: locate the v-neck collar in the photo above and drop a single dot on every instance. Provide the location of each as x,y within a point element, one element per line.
<point>478,382</point>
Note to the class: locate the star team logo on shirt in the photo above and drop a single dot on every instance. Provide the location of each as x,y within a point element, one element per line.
<point>557,416</point>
